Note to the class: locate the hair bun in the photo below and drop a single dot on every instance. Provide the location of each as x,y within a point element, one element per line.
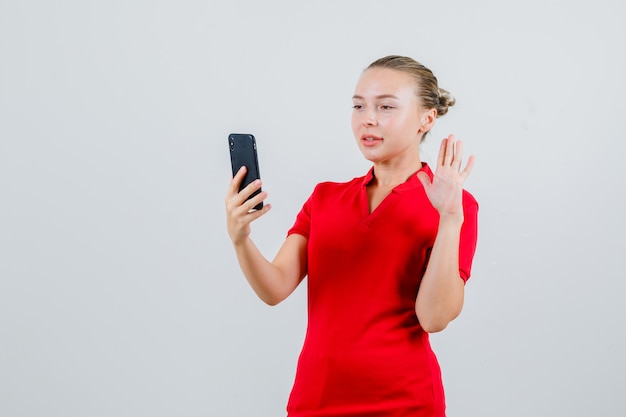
<point>445,101</point>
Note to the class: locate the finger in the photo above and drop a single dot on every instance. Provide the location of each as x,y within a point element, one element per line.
<point>458,155</point>
<point>251,203</point>
<point>253,215</point>
<point>250,189</point>
<point>235,182</point>
<point>239,211</point>
<point>236,209</point>
<point>468,167</point>
<point>232,198</point>
<point>449,151</point>
<point>442,152</point>
<point>240,197</point>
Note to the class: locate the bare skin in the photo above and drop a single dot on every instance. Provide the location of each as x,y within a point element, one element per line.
<point>441,294</point>
<point>388,124</point>
<point>272,281</point>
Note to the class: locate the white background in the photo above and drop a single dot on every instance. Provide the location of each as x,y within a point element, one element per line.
<point>119,291</point>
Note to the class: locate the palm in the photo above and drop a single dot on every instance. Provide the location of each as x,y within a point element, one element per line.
<point>445,191</point>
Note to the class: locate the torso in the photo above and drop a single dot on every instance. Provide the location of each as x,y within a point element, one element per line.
<point>365,353</point>
<point>376,194</point>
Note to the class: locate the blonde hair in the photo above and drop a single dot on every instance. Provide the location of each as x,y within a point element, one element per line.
<point>427,90</point>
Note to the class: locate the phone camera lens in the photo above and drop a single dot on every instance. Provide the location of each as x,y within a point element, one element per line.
<point>232,146</point>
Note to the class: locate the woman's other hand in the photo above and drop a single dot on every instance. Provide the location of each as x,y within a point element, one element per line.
<point>239,211</point>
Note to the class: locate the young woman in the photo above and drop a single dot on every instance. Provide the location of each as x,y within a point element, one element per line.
<point>386,254</point>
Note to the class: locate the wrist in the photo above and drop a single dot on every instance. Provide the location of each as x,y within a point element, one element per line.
<point>453,221</point>
<point>241,241</point>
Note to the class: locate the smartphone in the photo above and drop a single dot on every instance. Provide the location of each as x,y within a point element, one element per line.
<point>243,153</point>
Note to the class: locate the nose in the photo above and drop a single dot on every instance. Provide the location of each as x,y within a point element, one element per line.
<point>369,117</point>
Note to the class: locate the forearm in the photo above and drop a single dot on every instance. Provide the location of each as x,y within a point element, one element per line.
<point>272,281</point>
<point>440,296</point>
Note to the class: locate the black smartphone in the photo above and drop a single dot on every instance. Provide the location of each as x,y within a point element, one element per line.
<point>243,153</point>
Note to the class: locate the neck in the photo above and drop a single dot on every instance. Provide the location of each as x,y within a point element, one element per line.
<point>390,175</point>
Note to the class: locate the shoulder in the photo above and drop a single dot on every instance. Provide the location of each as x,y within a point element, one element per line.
<point>469,202</point>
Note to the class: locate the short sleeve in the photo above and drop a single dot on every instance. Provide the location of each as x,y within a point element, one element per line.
<point>302,225</point>
<point>469,235</point>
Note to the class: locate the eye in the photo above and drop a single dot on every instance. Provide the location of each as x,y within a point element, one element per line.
<point>386,107</point>
<point>357,106</point>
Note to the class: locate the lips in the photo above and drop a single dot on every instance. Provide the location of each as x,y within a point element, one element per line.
<point>370,140</point>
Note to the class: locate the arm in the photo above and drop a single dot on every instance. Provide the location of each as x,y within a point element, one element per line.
<point>440,296</point>
<point>271,281</point>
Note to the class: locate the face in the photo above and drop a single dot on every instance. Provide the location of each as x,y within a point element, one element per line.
<point>387,119</point>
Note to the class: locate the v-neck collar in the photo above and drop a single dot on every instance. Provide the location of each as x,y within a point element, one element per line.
<point>411,183</point>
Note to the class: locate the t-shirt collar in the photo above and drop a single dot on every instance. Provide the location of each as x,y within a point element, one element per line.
<point>411,183</point>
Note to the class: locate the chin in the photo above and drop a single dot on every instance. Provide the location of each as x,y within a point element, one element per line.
<point>373,158</point>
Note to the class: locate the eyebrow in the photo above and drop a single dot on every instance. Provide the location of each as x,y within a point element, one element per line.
<point>381,96</point>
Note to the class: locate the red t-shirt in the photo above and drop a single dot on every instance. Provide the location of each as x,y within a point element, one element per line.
<point>365,353</point>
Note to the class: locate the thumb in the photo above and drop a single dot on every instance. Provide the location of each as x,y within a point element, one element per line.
<point>424,178</point>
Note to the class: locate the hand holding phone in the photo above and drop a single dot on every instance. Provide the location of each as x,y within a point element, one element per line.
<point>243,152</point>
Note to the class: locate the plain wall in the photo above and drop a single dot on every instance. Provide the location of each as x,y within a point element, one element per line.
<point>120,294</point>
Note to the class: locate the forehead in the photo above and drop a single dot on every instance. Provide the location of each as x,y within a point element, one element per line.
<point>384,81</point>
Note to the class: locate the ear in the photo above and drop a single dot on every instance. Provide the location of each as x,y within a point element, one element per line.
<point>427,120</point>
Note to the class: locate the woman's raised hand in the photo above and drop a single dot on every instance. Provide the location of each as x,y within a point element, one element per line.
<point>445,192</point>
<point>239,211</point>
